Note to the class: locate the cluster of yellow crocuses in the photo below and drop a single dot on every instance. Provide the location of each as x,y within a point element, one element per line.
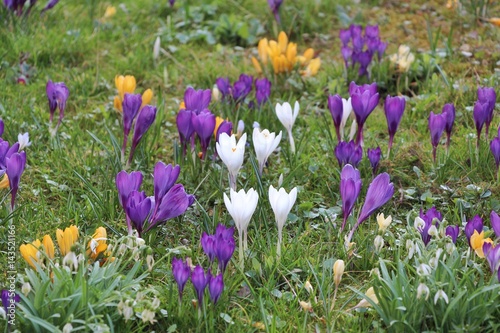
<point>37,252</point>
<point>126,85</point>
<point>283,57</point>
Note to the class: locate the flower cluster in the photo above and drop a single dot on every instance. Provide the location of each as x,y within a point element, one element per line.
<point>483,110</point>
<point>403,59</point>
<point>126,85</point>
<point>356,53</point>
<point>145,213</point>
<point>242,88</point>
<point>283,57</point>
<point>12,163</point>
<point>438,123</point>
<point>18,6</point>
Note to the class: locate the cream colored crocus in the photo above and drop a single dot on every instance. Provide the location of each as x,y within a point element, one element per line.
<point>66,239</point>
<point>383,223</point>
<point>215,93</point>
<point>281,203</point>
<point>364,303</point>
<point>264,143</point>
<point>403,59</point>
<point>338,271</point>
<point>241,206</point>
<point>287,118</point>
<point>231,153</point>
<point>308,286</point>
<point>306,306</point>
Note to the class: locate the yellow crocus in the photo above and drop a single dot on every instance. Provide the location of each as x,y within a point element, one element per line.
<point>4,183</point>
<point>128,86</point>
<point>218,122</point>
<point>262,49</point>
<point>273,49</point>
<point>146,97</point>
<point>308,55</point>
<point>31,253</point>
<point>383,222</point>
<point>117,103</point>
<point>110,11</point>
<point>48,245</point>
<point>291,54</point>
<point>66,239</point>
<point>476,242</point>
<point>282,41</point>
<point>256,65</point>
<point>313,67</point>
<point>97,244</point>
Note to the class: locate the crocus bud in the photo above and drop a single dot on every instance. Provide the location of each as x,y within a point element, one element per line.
<point>308,286</point>
<point>374,158</point>
<point>181,272</point>
<point>338,271</point>
<point>215,287</point>
<point>378,243</point>
<point>200,281</point>
<point>216,93</point>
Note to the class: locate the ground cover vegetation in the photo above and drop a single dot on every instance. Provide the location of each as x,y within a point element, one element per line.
<point>249,166</point>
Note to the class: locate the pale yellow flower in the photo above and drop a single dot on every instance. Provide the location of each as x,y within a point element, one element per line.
<point>383,223</point>
<point>338,271</point>
<point>110,11</point>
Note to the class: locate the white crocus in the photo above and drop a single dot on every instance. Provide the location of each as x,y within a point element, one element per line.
<point>287,118</point>
<point>24,140</point>
<point>241,207</point>
<point>231,153</point>
<point>281,203</point>
<point>346,112</point>
<point>264,144</point>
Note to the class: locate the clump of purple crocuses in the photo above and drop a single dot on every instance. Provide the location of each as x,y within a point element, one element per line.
<point>426,221</point>
<point>483,111</point>
<point>348,153</point>
<point>144,213</point>
<point>359,49</point>
<point>135,113</point>
<point>18,6</point>
<point>243,87</point>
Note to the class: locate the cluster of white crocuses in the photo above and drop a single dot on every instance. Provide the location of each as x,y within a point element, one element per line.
<point>241,205</point>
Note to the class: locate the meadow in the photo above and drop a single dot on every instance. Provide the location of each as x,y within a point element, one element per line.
<point>250,166</point>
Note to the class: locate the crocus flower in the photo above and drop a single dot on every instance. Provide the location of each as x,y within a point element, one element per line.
<point>394,108</point>
<point>200,281</point>
<point>97,244</point>
<point>241,207</point>
<point>131,105</point>
<point>348,153</point>
<point>181,272</point>
<point>350,186</point>
<point>231,153</point>
<point>379,192</point>
<point>364,100</point>
<point>492,254</point>
<point>242,87</point>
<point>428,219</point>
<point>287,118</point>
<point>224,248</point>
<point>340,109</point>
<point>215,287</point>
<point>374,158</point>
<point>185,127</point>
<point>383,222</point>
<point>474,224</point>
<point>480,113</point>
<point>338,271</point>
<point>197,100</point>
<point>477,241</point>
<point>145,119</point>
<point>345,36</point>
<point>8,298</point>
<point>449,110</point>
<point>437,124</point>
<point>224,86</point>
<point>275,5</point>
<point>164,177</point>
<point>262,90</point>
<point>66,239</point>
<point>57,94</point>
<point>452,231</point>
<point>171,3</point>
<point>138,209</point>
<point>15,165</point>
<point>24,140</point>
<point>489,96</point>
<point>204,124</point>
<point>264,144</point>
<point>208,245</point>
<point>495,223</point>
<point>495,151</point>
<point>224,127</point>
<point>30,253</point>
<point>281,203</point>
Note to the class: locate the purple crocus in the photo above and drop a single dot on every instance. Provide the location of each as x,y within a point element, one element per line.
<point>492,254</point>
<point>215,287</point>
<point>204,125</point>
<point>224,127</point>
<point>437,124</point>
<point>449,111</point>
<point>453,231</point>
<point>57,94</point>
<point>348,153</point>
<point>242,87</point>
<point>431,218</point>
<point>488,96</point>
<point>394,108</point>
<point>2,125</point>
<point>51,4</point>
<point>224,86</point>
<point>197,100</point>
<point>15,165</point>
<point>346,52</point>
<point>495,151</point>
<point>6,151</point>
<point>9,300</point>
<point>336,107</point>
<point>226,233</point>
<point>185,127</point>
<point>164,178</point>
<point>480,113</point>
<point>345,36</point>
<point>474,224</point>
<point>181,273</point>
<point>145,119</point>
<point>131,105</point>
<point>275,5</point>
<point>374,158</point>
<point>350,186</point>
<point>495,223</point>
<point>138,208</point>
<point>200,281</point>
<point>224,249</point>
<point>126,184</point>
<point>364,60</point>
<point>208,245</point>
<point>262,90</point>
<point>364,100</point>
<point>380,191</point>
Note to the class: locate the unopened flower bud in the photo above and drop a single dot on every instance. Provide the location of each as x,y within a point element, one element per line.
<point>338,271</point>
<point>308,286</point>
<point>378,243</point>
<point>26,288</point>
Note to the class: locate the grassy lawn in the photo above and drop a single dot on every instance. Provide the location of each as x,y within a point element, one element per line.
<point>69,178</point>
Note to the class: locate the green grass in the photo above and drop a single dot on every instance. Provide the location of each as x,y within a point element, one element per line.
<point>70,178</point>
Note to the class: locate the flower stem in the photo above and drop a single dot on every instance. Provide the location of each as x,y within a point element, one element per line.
<point>240,240</point>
